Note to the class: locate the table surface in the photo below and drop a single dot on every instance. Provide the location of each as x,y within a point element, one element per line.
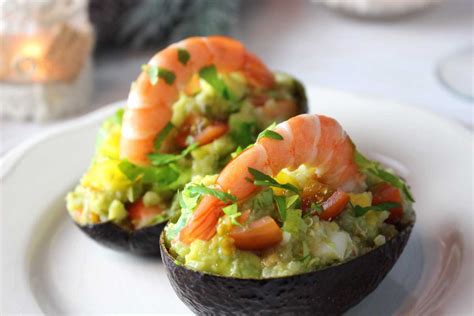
<point>393,59</point>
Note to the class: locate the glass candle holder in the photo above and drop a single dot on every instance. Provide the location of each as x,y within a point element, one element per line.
<point>45,67</point>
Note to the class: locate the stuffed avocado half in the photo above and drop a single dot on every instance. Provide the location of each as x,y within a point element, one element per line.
<point>296,209</point>
<point>124,205</point>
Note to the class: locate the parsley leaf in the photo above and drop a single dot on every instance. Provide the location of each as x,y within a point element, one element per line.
<point>159,159</point>
<point>262,179</point>
<point>162,135</point>
<point>199,189</point>
<point>242,132</point>
<point>209,74</point>
<point>281,206</point>
<point>233,213</point>
<point>360,211</point>
<point>155,72</point>
<point>375,169</point>
<point>183,56</point>
<point>152,175</point>
<point>269,133</point>
<point>118,116</point>
<point>315,208</point>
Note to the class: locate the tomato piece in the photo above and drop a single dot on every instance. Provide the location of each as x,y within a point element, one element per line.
<point>258,235</point>
<point>385,192</point>
<point>334,205</point>
<point>184,131</point>
<point>314,192</point>
<point>140,214</point>
<point>244,217</point>
<point>211,132</point>
<point>259,100</point>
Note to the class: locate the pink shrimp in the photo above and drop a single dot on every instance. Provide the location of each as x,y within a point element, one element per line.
<point>309,139</point>
<point>149,105</point>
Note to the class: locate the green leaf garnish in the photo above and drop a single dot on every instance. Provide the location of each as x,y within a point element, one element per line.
<point>199,189</point>
<point>209,74</point>
<point>162,135</point>
<point>159,159</point>
<point>262,179</point>
<point>315,208</point>
<point>360,211</point>
<point>118,116</point>
<point>183,56</point>
<point>233,212</point>
<point>269,133</point>
<point>151,175</point>
<point>155,72</point>
<point>280,202</point>
<point>242,132</point>
<point>375,169</point>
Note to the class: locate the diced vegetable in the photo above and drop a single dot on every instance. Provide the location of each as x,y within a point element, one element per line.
<point>211,132</point>
<point>258,235</point>
<point>140,214</point>
<point>384,192</point>
<point>334,205</point>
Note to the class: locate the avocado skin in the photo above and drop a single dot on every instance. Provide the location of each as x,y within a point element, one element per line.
<point>144,242</point>
<point>330,291</point>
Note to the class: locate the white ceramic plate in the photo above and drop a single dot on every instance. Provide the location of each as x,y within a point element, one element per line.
<point>49,266</point>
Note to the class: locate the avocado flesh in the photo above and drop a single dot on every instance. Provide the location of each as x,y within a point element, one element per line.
<point>330,291</point>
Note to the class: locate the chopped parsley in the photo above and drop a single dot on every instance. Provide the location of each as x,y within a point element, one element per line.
<point>268,133</point>
<point>209,74</point>
<point>150,175</point>
<point>199,189</point>
<point>262,179</point>
<point>314,209</point>
<point>360,211</point>
<point>183,56</point>
<point>242,132</point>
<point>159,159</point>
<point>118,116</point>
<point>155,72</point>
<point>376,170</point>
<point>162,135</point>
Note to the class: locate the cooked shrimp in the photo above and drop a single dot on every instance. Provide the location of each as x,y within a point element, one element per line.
<point>148,107</point>
<point>310,139</point>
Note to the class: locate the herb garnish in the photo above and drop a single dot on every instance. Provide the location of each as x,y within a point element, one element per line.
<point>268,133</point>
<point>152,175</point>
<point>183,56</point>
<point>209,74</point>
<point>162,135</point>
<point>118,116</point>
<point>284,203</point>
<point>199,189</point>
<point>375,169</point>
<point>155,72</point>
<point>233,213</point>
<point>315,208</point>
<point>360,211</point>
<point>262,179</point>
<point>159,159</point>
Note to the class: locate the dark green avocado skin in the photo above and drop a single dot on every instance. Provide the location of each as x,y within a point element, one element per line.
<point>144,242</point>
<point>330,291</point>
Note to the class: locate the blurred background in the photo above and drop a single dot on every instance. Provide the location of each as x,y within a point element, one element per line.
<point>60,59</point>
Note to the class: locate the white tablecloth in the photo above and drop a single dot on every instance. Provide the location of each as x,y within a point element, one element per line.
<point>394,59</point>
